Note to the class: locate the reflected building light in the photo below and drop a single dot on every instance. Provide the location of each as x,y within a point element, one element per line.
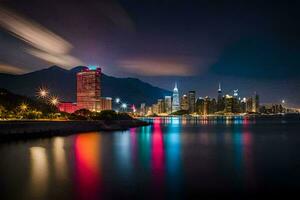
<point>157,155</point>
<point>88,171</point>
<point>59,155</point>
<point>39,172</point>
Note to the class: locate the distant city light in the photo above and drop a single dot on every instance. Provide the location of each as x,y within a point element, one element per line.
<point>117,100</point>
<point>283,101</point>
<point>24,106</point>
<point>42,93</point>
<point>124,105</point>
<point>54,101</point>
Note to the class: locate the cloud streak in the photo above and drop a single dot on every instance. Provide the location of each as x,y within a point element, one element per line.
<point>4,68</point>
<point>45,44</point>
<point>157,66</point>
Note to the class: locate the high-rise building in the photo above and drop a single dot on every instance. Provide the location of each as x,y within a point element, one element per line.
<point>255,103</point>
<point>175,100</point>
<point>220,100</point>
<point>249,104</point>
<point>236,93</point>
<point>192,101</point>
<point>160,106</point>
<point>143,109</point>
<point>168,104</point>
<point>206,106</point>
<point>229,101</point>
<point>200,106</point>
<point>89,89</point>
<point>106,103</point>
<point>184,103</point>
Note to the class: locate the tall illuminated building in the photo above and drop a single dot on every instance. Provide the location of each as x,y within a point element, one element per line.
<point>255,103</point>
<point>192,101</point>
<point>220,100</point>
<point>184,103</point>
<point>168,104</point>
<point>175,101</point>
<point>219,93</point>
<point>89,88</point>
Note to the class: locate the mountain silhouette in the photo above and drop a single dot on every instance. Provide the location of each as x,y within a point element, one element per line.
<point>62,83</point>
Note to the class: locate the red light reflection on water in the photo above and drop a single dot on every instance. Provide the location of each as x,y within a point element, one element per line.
<point>248,159</point>
<point>157,155</point>
<point>87,166</point>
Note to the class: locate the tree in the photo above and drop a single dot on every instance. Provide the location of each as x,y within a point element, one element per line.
<point>3,112</point>
<point>84,113</point>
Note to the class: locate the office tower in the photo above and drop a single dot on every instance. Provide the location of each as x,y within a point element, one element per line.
<point>200,106</point>
<point>243,107</point>
<point>220,100</point>
<point>206,106</point>
<point>213,106</point>
<point>249,104</point>
<point>168,104</point>
<point>184,103</point>
<point>143,109</point>
<point>89,89</point>
<point>106,103</point>
<point>229,101</point>
<point>192,101</point>
<point>175,101</point>
<point>255,103</point>
<point>154,109</point>
<point>160,106</point>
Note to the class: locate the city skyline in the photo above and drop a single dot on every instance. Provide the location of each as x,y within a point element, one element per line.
<point>194,43</point>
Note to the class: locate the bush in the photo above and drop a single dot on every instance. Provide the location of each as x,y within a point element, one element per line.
<point>111,115</point>
<point>84,113</point>
<point>76,117</point>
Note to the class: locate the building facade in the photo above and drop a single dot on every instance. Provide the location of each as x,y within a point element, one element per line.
<point>184,103</point>
<point>89,89</point>
<point>192,101</point>
<point>175,100</point>
<point>168,104</point>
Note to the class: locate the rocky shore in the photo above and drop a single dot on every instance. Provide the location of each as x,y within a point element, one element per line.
<point>10,130</point>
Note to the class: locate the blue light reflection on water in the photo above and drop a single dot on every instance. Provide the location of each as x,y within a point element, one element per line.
<point>168,158</point>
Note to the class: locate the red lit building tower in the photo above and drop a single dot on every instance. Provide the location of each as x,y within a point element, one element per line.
<point>89,89</point>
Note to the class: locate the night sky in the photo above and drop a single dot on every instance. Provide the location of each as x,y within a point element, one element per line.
<point>246,45</point>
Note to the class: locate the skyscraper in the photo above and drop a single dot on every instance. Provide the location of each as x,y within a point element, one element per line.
<point>192,101</point>
<point>184,103</point>
<point>168,104</point>
<point>219,93</point>
<point>220,100</point>
<point>175,101</point>
<point>255,103</point>
<point>89,89</point>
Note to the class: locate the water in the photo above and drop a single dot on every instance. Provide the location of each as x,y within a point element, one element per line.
<point>174,158</point>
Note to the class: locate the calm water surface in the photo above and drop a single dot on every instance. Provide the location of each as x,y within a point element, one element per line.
<point>174,158</point>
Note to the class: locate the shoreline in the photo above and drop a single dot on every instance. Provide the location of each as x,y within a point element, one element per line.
<point>27,129</point>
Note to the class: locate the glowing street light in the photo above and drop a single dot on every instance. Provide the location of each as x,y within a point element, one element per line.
<point>117,100</point>
<point>54,101</point>
<point>42,93</point>
<point>23,106</point>
<point>283,101</point>
<point>124,105</point>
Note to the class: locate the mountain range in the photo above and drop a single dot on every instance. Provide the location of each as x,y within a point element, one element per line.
<point>62,83</point>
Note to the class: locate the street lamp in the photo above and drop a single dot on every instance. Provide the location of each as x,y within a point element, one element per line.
<point>23,107</point>
<point>42,93</point>
<point>124,106</point>
<point>54,101</point>
<point>117,100</point>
